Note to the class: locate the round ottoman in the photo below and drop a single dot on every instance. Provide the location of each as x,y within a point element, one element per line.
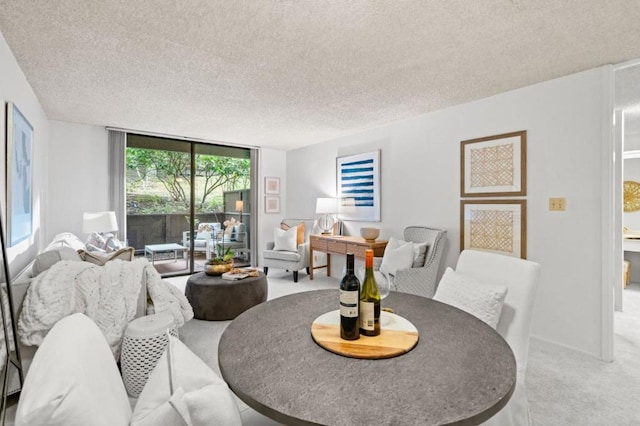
<point>215,299</point>
<point>144,342</point>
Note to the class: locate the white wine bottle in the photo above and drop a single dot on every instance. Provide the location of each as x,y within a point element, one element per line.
<point>369,299</point>
<point>350,303</point>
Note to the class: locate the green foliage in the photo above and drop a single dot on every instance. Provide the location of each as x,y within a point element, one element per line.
<point>229,253</point>
<point>168,174</point>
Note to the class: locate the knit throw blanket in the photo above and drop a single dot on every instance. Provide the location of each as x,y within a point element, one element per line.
<point>107,294</point>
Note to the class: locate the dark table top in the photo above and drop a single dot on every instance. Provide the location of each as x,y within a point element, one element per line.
<point>460,372</point>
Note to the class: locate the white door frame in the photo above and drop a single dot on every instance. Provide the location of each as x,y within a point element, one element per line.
<point>612,253</point>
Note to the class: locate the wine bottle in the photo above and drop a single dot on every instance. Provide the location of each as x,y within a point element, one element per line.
<point>350,303</point>
<point>369,299</point>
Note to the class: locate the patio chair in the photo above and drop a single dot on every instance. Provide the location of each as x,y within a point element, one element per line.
<point>204,240</point>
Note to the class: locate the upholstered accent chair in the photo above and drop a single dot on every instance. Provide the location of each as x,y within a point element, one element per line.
<point>290,260</point>
<point>520,278</point>
<point>421,277</point>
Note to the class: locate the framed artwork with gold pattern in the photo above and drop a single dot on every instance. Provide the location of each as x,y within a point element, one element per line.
<point>497,226</point>
<point>631,196</point>
<point>494,166</point>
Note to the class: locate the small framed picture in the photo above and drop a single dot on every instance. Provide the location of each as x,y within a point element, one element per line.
<point>272,185</point>
<point>272,204</point>
<point>494,166</point>
<point>497,226</point>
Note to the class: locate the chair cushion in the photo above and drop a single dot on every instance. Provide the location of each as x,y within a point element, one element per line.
<point>289,256</point>
<point>182,389</point>
<point>483,301</point>
<point>397,255</point>
<point>73,379</point>
<point>285,240</point>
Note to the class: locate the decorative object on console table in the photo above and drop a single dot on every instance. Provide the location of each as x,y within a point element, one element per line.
<point>272,204</point>
<point>272,185</point>
<point>497,226</point>
<point>19,176</point>
<point>369,234</point>
<point>326,207</point>
<point>358,180</point>
<point>494,166</point>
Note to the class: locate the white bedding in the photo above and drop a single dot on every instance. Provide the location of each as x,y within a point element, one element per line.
<point>107,294</point>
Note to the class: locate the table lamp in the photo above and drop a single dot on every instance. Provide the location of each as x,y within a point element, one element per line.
<point>326,207</point>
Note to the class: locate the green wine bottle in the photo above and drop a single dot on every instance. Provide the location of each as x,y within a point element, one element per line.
<point>369,299</point>
<point>349,303</point>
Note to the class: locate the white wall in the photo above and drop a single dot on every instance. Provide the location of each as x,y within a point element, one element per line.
<point>79,179</point>
<point>420,171</point>
<point>272,164</point>
<point>15,88</point>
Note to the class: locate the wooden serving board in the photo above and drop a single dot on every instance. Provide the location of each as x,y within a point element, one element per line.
<point>397,337</point>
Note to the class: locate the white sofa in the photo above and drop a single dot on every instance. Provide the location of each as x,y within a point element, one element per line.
<point>74,380</point>
<point>64,246</point>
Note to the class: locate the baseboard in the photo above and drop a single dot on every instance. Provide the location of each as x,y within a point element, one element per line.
<point>555,344</point>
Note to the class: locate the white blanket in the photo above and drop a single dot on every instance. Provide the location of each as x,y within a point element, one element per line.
<point>107,294</point>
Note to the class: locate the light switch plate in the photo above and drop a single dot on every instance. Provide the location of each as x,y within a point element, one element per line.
<point>557,204</point>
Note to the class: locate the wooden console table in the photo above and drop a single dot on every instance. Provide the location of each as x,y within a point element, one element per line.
<point>340,244</point>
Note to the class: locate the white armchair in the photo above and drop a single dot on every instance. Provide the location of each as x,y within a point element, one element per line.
<point>520,277</point>
<point>290,260</point>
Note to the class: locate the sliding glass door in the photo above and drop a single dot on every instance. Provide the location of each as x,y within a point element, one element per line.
<point>187,202</point>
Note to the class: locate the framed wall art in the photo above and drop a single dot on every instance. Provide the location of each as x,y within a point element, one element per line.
<point>494,166</point>
<point>272,204</point>
<point>358,180</point>
<point>498,226</point>
<point>272,185</point>
<point>19,176</point>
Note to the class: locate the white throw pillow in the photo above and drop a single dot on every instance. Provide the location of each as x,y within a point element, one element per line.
<point>73,380</point>
<point>481,300</point>
<point>397,255</point>
<point>182,389</point>
<point>285,240</point>
<point>419,254</point>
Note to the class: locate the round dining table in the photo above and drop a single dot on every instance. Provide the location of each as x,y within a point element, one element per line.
<point>461,372</point>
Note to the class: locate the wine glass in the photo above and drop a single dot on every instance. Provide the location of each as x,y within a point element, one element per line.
<point>384,287</point>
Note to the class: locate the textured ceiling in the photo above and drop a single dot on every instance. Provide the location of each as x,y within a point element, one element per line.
<point>287,73</point>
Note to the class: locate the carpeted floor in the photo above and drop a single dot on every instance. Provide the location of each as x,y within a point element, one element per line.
<point>564,387</point>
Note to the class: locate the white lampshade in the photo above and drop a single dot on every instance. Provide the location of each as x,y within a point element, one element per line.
<point>326,206</point>
<point>239,205</point>
<point>99,222</point>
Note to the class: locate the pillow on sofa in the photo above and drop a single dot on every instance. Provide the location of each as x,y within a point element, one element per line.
<point>285,240</point>
<point>48,258</point>
<point>67,239</point>
<point>100,259</point>
<point>73,379</point>
<point>420,254</point>
<point>481,300</point>
<point>182,389</point>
